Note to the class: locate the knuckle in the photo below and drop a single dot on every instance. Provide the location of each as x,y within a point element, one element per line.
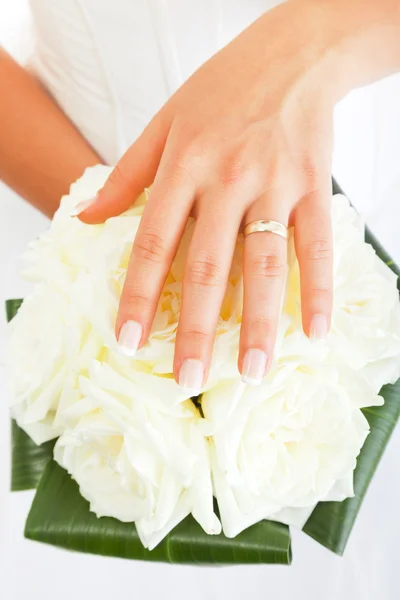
<point>149,246</point>
<point>180,172</point>
<point>205,271</point>
<point>240,174</point>
<point>189,159</point>
<point>233,173</point>
<point>263,324</point>
<point>132,297</point>
<point>236,170</point>
<point>196,334</point>
<point>318,250</point>
<point>268,265</point>
<point>194,147</point>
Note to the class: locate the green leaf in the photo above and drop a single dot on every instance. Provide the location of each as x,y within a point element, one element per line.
<point>28,461</point>
<point>60,516</point>
<point>12,307</point>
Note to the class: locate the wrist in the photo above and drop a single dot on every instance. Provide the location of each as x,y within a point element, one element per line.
<point>355,42</point>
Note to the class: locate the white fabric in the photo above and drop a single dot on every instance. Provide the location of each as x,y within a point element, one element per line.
<point>111,64</point>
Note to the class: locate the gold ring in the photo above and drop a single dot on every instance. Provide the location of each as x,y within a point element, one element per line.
<point>271,226</point>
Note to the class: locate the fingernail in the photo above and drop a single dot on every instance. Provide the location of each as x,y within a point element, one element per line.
<point>81,206</point>
<point>318,327</point>
<point>254,365</point>
<point>191,375</point>
<point>129,337</point>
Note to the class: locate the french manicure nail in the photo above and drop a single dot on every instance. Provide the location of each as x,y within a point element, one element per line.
<point>191,375</point>
<point>129,337</point>
<point>318,327</point>
<point>254,365</point>
<point>81,206</point>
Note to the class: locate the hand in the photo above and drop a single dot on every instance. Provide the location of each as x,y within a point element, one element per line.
<point>247,137</point>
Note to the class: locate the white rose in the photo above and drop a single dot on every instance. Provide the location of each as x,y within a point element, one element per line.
<point>138,453</point>
<point>281,447</point>
<point>50,344</point>
<point>365,329</point>
<point>136,445</point>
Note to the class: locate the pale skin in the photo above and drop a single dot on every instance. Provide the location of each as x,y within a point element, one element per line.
<point>247,137</point>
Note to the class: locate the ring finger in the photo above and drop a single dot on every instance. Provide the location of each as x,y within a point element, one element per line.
<point>265,268</point>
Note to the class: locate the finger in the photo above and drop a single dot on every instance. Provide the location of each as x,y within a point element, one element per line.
<point>206,273</point>
<point>265,268</point>
<point>134,172</point>
<point>313,243</point>
<point>155,245</point>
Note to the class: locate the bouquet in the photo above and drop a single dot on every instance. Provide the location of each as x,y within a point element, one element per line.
<point>126,464</point>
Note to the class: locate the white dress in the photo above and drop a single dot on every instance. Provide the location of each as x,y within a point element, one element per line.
<point>111,64</point>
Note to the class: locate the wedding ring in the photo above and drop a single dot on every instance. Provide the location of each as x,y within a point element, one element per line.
<point>271,226</point>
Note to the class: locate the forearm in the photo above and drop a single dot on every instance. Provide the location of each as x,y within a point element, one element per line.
<point>330,46</point>
<point>41,152</point>
<point>356,41</point>
<point>362,37</point>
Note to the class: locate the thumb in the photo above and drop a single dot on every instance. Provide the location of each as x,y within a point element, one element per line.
<point>135,171</point>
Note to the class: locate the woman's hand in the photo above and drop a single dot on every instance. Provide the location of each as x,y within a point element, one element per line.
<point>247,137</point>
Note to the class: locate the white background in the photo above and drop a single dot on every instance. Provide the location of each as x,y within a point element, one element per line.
<point>367,159</point>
